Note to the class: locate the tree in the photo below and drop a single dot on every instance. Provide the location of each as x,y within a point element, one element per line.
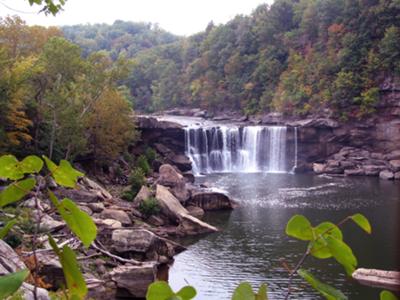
<point>49,6</point>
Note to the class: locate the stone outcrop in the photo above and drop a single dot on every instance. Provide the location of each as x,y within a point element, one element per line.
<point>210,200</point>
<point>173,209</point>
<point>134,279</point>
<point>171,178</point>
<point>118,215</point>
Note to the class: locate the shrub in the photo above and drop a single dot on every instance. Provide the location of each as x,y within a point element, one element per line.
<point>150,154</point>
<point>128,196</point>
<point>149,207</point>
<point>136,180</point>
<point>143,164</point>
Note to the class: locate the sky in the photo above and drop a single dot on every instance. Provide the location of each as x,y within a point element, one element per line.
<point>181,17</point>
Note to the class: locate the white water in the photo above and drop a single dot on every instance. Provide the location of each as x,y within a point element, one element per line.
<point>237,149</point>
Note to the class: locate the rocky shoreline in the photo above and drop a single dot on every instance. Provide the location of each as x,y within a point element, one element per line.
<point>131,250</point>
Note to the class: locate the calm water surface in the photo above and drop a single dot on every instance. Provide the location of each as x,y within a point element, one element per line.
<point>252,243</point>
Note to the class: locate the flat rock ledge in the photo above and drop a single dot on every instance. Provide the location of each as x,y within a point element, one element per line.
<point>378,278</point>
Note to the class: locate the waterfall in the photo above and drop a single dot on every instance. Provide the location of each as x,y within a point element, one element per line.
<point>295,150</point>
<point>237,149</point>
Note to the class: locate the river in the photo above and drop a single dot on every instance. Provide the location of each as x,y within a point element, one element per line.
<point>252,243</point>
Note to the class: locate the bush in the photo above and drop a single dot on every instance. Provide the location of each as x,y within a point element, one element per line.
<point>143,164</point>
<point>149,207</point>
<point>136,180</point>
<point>128,196</point>
<point>150,154</point>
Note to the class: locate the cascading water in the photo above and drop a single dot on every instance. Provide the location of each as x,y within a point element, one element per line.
<point>237,149</point>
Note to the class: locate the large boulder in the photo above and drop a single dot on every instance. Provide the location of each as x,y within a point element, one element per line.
<point>140,241</point>
<point>394,155</point>
<point>92,186</point>
<point>354,172</point>
<point>319,168</point>
<point>210,200</point>
<point>135,279</point>
<point>172,208</point>
<point>170,177</point>
<point>373,170</point>
<point>118,215</point>
<point>143,194</point>
<point>50,269</point>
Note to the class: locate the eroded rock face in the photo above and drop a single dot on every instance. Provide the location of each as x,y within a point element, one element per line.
<point>135,279</point>
<point>388,175</point>
<point>143,194</point>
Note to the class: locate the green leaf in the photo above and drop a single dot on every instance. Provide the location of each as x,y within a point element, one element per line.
<point>80,223</point>
<point>187,293</point>
<point>10,283</point>
<point>299,227</point>
<point>326,290</point>
<point>31,164</point>
<point>16,191</point>
<point>11,168</point>
<point>4,231</point>
<point>75,282</point>
<point>262,292</point>
<point>319,246</point>
<point>363,222</point>
<point>64,174</point>
<point>244,292</point>
<point>159,290</point>
<point>8,168</point>
<point>386,295</point>
<point>342,253</point>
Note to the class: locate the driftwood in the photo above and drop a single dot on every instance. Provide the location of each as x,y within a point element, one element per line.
<point>378,278</point>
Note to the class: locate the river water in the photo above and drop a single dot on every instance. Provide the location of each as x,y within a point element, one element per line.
<point>252,243</point>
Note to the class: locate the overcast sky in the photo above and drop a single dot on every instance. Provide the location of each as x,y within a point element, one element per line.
<point>182,17</point>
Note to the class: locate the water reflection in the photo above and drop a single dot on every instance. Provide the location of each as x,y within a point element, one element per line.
<point>253,244</point>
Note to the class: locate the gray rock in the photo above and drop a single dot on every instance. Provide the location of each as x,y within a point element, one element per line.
<point>388,175</point>
<point>397,175</point>
<point>96,207</point>
<point>118,215</point>
<point>108,223</point>
<point>86,209</point>
<point>373,170</point>
<point>50,269</point>
<point>209,200</point>
<point>394,155</point>
<point>319,168</point>
<point>135,279</point>
<point>195,211</point>
<point>395,165</point>
<point>143,194</point>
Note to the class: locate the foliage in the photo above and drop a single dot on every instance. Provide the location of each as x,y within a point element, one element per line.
<point>143,164</point>
<point>160,290</point>
<point>149,207</point>
<point>49,6</point>
<point>136,180</point>
<point>151,154</point>
<point>79,222</point>
<point>245,291</point>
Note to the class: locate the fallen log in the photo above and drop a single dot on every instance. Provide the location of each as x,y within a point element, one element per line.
<point>378,278</point>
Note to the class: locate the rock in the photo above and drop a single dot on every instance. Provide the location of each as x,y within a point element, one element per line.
<point>80,195</point>
<point>373,170</point>
<point>354,172</point>
<point>155,220</point>
<point>182,162</point>
<point>172,208</point>
<point>143,194</point>
<point>195,211</point>
<point>86,209</point>
<point>96,207</point>
<point>31,203</point>
<point>319,168</point>
<point>395,165</point>
<point>118,215</point>
<point>209,200</point>
<point>189,176</point>
<point>135,279</point>
<point>109,223</point>
<point>388,175</point>
<point>394,155</point>
<point>192,225</point>
<point>93,186</point>
<point>378,278</point>
<point>47,223</point>
<point>168,176</point>
<point>140,241</point>
<point>10,263</point>
<point>397,175</point>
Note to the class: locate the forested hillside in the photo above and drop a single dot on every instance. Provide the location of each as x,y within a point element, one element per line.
<point>56,102</point>
<point>126,38</point>
<point>296,57</point>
